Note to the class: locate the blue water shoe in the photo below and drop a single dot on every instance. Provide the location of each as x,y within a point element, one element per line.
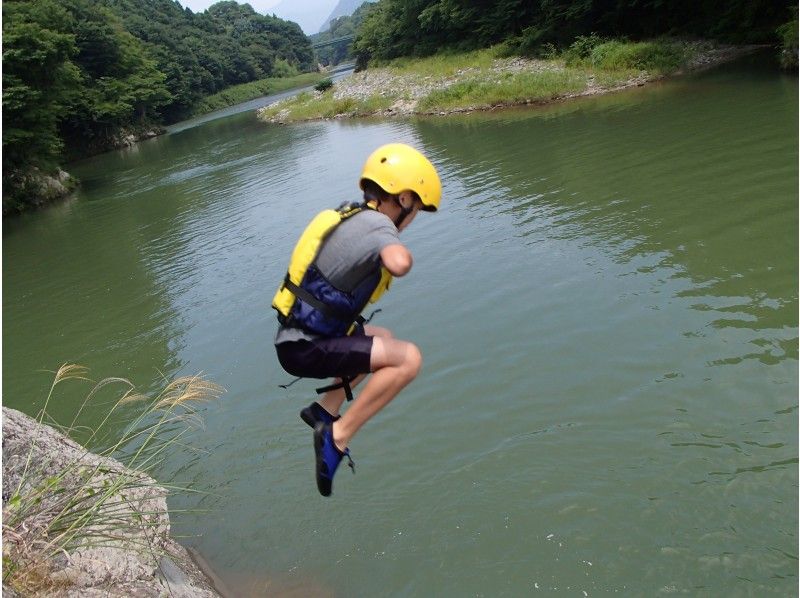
<point>328,457</point>
<point>315,413</point>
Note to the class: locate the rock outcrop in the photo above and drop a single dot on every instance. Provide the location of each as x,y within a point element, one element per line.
<point>124,550</point>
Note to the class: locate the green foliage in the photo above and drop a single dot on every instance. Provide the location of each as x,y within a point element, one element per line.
<point>340,27</point>
<point>324,85</point>
<point>79,73</point>
<point>789,41</point>
<point>343,29</point>
<point>282,68</point>
<point>250,91</point>
<point>527,43</point>
<point>511,89</point>
<point>120,84</point>
<point>39,82</point>
<point>306,106</point>
<point>395,28</point>
<point>72,74</point>
<point>654,57</point>
<point>202,54</point>
<point>582,48</point>
<point>422,27</point>
<point>444,64</point>
<point>479,79</point>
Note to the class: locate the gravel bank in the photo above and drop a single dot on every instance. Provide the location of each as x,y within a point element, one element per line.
<point>403,92</point>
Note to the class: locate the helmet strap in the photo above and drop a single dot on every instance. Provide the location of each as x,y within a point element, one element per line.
<point>404,212</point>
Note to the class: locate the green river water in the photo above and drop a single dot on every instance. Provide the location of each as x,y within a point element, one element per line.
<point>607,305</point>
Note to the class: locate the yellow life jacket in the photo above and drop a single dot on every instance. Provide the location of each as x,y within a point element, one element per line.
<point>306,299</point>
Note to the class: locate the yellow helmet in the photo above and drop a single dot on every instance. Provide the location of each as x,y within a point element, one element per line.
<point>397,167</point>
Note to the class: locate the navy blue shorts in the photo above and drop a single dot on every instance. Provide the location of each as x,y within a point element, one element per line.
<point>326,357</point>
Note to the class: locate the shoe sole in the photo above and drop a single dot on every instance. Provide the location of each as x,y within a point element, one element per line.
<point>324,485</point>
<point>307,416</point>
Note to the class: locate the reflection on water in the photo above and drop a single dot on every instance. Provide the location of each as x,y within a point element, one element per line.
<point>251,105</point>
<point>709,211</point>
<point>607,305</point>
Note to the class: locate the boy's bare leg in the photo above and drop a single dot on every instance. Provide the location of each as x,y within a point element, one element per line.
<point>395,364</point>
<point>332,400</point>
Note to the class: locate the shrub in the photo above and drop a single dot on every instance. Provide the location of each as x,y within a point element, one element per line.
<point>655,57</point>
<point>527,43</point>
<point>548,51</point>
<point>282,68</point>
<point>582,48</point>
<point>324,85</point>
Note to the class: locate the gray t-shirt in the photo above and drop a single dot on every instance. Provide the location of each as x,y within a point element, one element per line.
<point>348,255</point>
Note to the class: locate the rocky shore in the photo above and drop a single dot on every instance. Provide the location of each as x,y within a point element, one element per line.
<point>40,189</point>
<point>34,189</point>
<point>125,550</point>
<point>405,91</point>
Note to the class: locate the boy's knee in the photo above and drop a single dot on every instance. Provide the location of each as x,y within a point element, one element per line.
<point>413,360</point>
<point>395,353</point>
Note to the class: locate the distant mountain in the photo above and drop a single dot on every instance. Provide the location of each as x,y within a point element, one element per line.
<point>309,14</point>
<point>343,8</point>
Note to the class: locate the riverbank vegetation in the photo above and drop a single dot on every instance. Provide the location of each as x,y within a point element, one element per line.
<point>59,498</point>
<point>481,79</point>
<point>256,89</point>
<point>431,56</point>
<point>320,105</point>
<point>788,33</point>
<point>84,76</point>
<point>78,75</point>
<point>395,28</point>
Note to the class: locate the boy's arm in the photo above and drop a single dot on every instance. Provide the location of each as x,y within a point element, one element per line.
<point>397,259</point>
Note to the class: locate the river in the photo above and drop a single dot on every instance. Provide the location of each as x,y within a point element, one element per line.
<point>607,305</point>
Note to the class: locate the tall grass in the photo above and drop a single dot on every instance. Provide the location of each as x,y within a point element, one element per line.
<point>87,502</point>
<point>309,106</point>
<point>444,64</point>
<point>656,57</point>
<point>504,90</point>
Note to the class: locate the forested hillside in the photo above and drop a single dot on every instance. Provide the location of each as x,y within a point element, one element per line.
<point>421,27</point>
<point>344,8</point>
<point>203,53</point>
<point>340,27</point>
<point>77,73</point>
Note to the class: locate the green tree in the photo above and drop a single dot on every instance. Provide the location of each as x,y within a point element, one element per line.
<point>39,82</point>
<point>202,54</point>
<point>120,84</point>
<point>420,27</point>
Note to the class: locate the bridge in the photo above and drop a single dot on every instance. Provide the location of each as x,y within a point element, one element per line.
<point>345,38</point>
